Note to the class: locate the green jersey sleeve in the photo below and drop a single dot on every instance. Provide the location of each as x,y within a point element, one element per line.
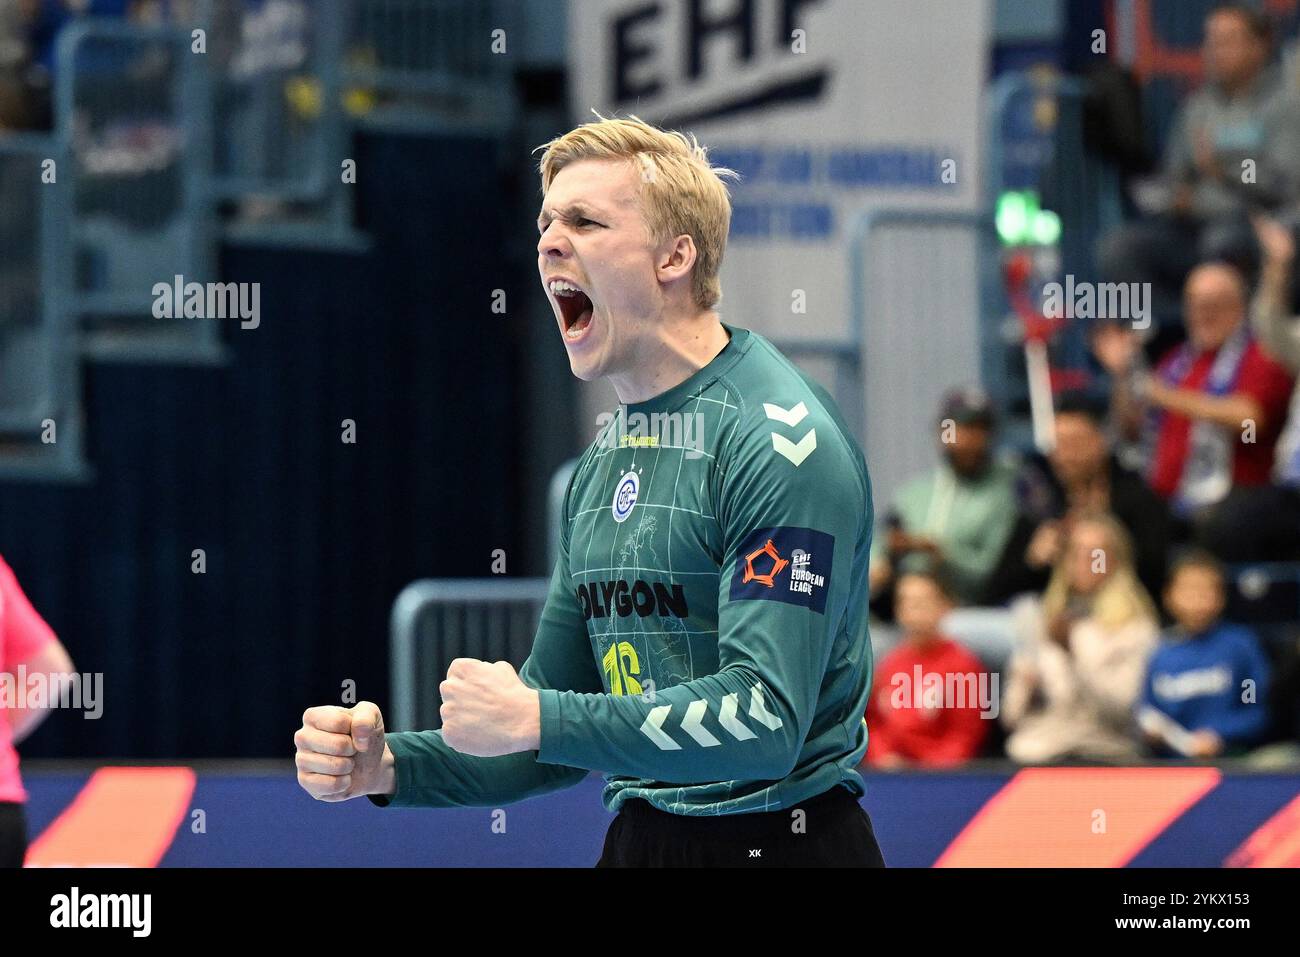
<point>791,519</point>
<point>432,774</point>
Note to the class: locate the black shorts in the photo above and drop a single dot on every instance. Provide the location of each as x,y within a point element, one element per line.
<point>13,834</point>
<point>834,831</point>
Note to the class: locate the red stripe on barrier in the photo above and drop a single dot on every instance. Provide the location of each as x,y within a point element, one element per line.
<point>1275,843</point>
<point>1077,817</point>
<point>123,817</point>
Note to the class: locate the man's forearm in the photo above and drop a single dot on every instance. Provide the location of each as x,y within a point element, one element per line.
<point>1271,319</point>
<point>419,769</point>
<point>1127,410</point>
<point>732,725</point>
<point>1232,411</point>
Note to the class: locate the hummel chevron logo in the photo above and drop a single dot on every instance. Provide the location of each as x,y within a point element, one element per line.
<point>758,711</point>
<point>790,417</point>
<point>796,452</point>
<point>693,723</point>
<point>652,728</point>
<point>730,723</point>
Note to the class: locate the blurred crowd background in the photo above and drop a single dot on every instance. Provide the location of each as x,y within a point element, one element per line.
<point>1135,585</point>
<point>1118,585</point>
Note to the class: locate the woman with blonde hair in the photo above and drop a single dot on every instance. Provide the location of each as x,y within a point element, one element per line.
<point>1083,651</point>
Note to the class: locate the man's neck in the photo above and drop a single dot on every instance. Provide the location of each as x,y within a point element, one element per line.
<point>1084,489</point>
<point>684,347</point>
<point>977,474</point>
<point>1214,347</point>
<point>1201,632</point>
<point>1241,85</point>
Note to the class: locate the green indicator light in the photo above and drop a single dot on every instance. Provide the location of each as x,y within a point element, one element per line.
<point>1047,228</point>
<point>1012,218</point>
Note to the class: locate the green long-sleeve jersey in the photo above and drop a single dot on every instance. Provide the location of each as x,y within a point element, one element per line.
<point>704,641</point>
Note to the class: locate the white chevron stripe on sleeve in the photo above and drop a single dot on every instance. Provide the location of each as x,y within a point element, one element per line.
<point>796,452</point>
<point>730,723</point>
<point>691,724</point>
<point>790,417</point>
<point>652,730</point>
<point>758,711</point>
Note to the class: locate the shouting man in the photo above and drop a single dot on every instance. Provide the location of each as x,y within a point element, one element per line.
<point>704,640</point>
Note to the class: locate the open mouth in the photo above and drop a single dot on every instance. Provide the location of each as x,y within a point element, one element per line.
<point>576,307</point>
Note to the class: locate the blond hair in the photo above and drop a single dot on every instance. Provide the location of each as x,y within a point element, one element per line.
<point>681,192</point>
<point>1121,597</point>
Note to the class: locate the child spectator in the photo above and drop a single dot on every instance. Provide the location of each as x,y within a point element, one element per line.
<point>1078,674</point>
<point>926,701</point>
<point>1208,681</point>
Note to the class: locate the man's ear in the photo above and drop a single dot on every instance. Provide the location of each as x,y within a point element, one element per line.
<point>677,258</point>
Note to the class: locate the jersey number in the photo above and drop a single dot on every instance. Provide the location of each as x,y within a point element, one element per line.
<point>621,664</point>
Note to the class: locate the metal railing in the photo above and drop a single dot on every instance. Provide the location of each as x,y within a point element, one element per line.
<point>435,621</point>
<point>1036,140</point>
<point>924,295</point>
<point>555,508</point>
<point>40,382</point>
<point>908,266</point>
<point>132,120</point>
<point>443,55</point>
<point>274,82</point>
<point>137,170</point>
<point>37,380</point>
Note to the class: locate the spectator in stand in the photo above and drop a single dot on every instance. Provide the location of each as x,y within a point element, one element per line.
<point>29,31</point>
<point>961,514</point>
<point>1208,418</point>
<point>18,106</point>
<point>52,16</point>
<point>1082,475</point>
<point>1240,114</point>
<point>911,720</point>
<point>1084,648</point>
<point>1208,682</point>
<point>1279,334</point>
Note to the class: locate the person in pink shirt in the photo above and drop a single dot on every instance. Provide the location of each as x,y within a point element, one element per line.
<point>27,641</point>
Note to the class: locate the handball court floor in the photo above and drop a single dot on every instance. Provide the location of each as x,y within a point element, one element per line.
<point>242,814</point>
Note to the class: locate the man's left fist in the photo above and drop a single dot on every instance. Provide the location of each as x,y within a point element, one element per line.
<point>488,711</point>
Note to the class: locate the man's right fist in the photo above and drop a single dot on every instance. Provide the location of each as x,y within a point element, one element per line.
<point>341,753</point>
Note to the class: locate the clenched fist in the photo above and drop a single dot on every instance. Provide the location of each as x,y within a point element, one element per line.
<point>487,711</point>
<point>342,754</point>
